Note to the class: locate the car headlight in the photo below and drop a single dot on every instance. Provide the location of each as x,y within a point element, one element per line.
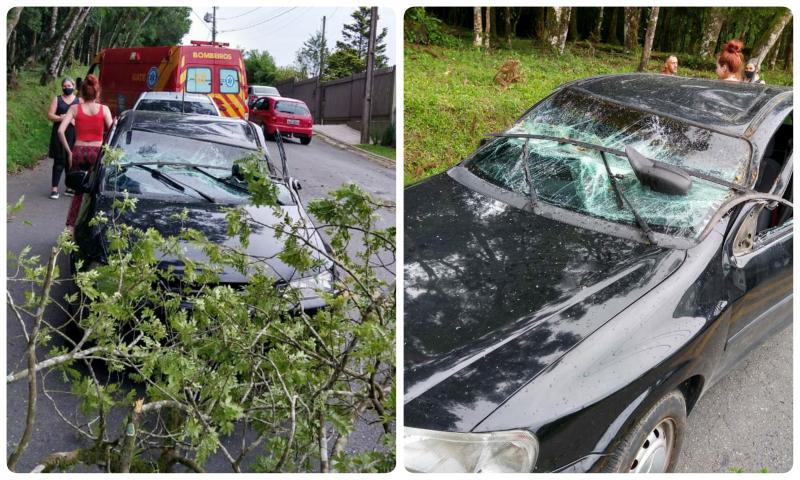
<point>432,451</point>
<point>308,286</point>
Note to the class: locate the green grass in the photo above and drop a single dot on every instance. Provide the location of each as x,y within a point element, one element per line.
<point>386,152</point>
<point>451,99</point>
<point>27,127</point>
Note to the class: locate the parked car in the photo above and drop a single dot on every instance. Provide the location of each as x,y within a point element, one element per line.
<point>176,102</point>
<point>174,162</point>
<point>256,91</point>
<point>289,116</point>
<point>576,284</point>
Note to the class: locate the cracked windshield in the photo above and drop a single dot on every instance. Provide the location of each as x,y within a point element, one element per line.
<point>201,161</point>
<point>575,177</point>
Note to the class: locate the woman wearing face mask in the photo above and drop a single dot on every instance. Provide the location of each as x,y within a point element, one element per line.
<point>751,72</point>
<point>58,109</point>
<point>729,63</point>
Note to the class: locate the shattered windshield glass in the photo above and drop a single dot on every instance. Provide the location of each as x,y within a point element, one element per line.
<point>575,178</point>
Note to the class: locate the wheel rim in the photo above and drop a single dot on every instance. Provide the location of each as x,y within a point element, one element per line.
<point>656,451</point>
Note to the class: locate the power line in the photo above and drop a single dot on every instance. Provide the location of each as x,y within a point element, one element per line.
<point>260,23</point>
<point>240,15</point>
<point>202,22</point>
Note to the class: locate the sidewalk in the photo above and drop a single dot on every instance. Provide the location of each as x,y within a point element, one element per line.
<point>340,133</point>
<point>347,138</point>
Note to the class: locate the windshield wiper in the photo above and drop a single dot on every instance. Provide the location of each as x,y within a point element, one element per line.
<point>621,199</point>
<point>171,181</point>
<point>648,233</point>
<point>226,181</point>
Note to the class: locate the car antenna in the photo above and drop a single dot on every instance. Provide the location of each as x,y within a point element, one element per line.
<point>282,152</point>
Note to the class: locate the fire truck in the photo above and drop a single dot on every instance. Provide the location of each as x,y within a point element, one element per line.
<point>202,67</point>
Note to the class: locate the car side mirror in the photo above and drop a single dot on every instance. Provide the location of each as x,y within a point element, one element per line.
<point>658,176</point>
<point>237,173</point>
<point>295,183</point>
<point>483,141</point>
<point>78,181</point>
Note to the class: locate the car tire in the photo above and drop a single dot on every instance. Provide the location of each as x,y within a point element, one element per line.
<point>305,140</point>
<point>269,136</point>
<point>654,443</point>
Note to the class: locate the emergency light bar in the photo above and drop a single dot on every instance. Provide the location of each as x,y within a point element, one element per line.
<point>200,43</point>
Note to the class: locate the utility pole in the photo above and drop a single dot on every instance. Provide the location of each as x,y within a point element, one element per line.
<point>318,88</point>
<point>212,17</point>
<point>367,112</point>
<point>214,25</point>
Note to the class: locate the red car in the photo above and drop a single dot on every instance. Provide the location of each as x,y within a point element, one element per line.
<point>288,115</point>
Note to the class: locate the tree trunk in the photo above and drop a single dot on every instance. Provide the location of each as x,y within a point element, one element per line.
<point>597,31</point>
<point>12,20</point>
<point>68,57</point>
<point>51,32</point>
<point>540,34</point>
<point>77,16</point>
<point>487,37</point>
<point>787,61</point>
<point>557,27</point>
<point>507,18</point>
<point>613,31</point>
<point>648,39</point>
<point>631,28</point>
<point>573,26</point>
<point>139,25</point>
<point>771,35</point>
<point>477,27</point>
<point>772,57</point>
<point>711,30</point>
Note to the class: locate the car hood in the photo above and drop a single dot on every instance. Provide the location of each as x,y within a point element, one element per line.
<point>209,219</point>
<point>494,294</point>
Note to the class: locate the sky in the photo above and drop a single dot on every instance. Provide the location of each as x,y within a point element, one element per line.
<point>282,30</point>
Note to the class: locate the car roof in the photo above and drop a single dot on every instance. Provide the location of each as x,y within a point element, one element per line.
<point>723,105</point>
<point>230,131</point>
<point>177,96</point>
<point>284,99</point>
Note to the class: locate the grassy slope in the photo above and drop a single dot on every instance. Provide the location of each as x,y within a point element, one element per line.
<point>27,127</point>
<point>451,98</point>
<point>386,152</point>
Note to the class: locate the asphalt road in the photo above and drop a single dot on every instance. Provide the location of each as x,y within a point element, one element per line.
<point>745,421</point>
<point>319,167</point>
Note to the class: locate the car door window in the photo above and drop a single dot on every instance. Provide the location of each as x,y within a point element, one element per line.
<point>198,80</point>
<point>228,80</point>
<point>763,223</point>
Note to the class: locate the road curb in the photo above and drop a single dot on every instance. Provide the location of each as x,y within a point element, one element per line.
<point>386,162</point>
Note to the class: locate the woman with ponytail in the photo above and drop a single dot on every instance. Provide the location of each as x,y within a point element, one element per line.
<point>730,62</point>
<point>91,120</point>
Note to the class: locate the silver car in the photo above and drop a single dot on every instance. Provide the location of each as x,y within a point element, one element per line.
<point>177,102</point>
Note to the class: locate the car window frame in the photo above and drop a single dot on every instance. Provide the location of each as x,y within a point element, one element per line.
<point>750,212</point>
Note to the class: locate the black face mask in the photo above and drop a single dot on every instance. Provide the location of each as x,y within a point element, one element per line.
<point>67,91</point>
<point>749,74</point>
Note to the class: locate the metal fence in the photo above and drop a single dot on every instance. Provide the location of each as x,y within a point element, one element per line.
<point>342,100</point>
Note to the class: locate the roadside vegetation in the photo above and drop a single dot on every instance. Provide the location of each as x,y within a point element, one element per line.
<point>243,374</point>
<point>386,152</point>
<point>27,127</point>
<point>455,92</point>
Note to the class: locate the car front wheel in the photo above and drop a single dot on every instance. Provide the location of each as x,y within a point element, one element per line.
<point>305,140</point>
<point>654,443</point>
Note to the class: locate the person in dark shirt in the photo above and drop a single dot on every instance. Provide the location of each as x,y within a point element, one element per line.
<point>58,108</point>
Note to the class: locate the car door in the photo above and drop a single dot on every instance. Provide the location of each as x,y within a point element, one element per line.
<point>759,275</point>
<point>259,111</point>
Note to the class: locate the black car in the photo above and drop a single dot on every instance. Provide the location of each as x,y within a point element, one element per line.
<point>576,284</point>
<point>174,163</point>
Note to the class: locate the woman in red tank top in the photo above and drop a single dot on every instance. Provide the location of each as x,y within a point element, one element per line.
<point>91,120</point>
